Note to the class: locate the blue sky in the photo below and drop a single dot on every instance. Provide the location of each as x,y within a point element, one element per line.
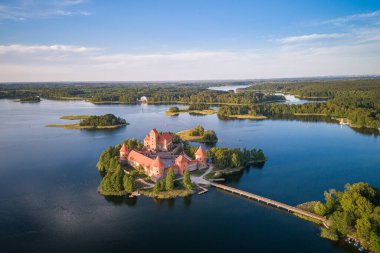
<point>89,40</point>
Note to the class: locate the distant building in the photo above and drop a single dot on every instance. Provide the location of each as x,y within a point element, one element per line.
<point>144,99</point>
<point>156,145</point>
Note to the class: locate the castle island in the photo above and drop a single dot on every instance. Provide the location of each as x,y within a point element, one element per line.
<point>164,165</point>
<point>159,154</point>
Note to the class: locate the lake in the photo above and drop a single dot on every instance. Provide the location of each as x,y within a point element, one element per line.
<point>49,199</point>
<point>290,99</point>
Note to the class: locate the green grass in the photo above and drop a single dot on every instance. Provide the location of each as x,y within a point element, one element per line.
<point>185,136</point>
<point>167,194</point>
<point>75,117</point>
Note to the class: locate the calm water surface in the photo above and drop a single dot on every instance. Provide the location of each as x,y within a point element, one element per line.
<point>48,183</point>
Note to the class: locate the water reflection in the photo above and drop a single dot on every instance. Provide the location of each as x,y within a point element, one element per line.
<point>121,200</point>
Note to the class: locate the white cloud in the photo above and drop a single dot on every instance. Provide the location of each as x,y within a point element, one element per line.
<point>69,63</point>
<point>23,10</point>
<point>28,49</point>
<point>375,15</point>
<point>311,37</point>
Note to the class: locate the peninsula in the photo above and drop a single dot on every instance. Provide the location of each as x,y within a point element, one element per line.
<point>353,214</point>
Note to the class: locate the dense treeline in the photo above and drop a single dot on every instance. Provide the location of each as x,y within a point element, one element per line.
<point>358,116</point>
<point>357,99</point>
<point>354,212</point>
<point>199,107</point>
<point>190,93</point>
<point>114,180</point>
<point>234,157</point>
<point>30,99</point>
<point>102,120</point>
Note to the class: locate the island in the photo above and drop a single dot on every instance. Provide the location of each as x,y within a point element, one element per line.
<point>198,134</point>
<point>200,109</point>
<point>107,121</point>
<point>163,166</point>
<point>30,99</point>
<point>353,214</point>
<point>239,112</point>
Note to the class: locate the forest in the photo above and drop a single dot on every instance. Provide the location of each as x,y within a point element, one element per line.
<point>357,100</point>
<point>355,212</point>
<point>171,93</point>
<point>235,157</point>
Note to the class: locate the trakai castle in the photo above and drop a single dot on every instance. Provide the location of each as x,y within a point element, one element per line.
<point>159,154</point>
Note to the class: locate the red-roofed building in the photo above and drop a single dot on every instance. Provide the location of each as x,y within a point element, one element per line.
<point>155,141</point>
<point>156,168</point>
<point>201,157</point>
<point>124,152</point>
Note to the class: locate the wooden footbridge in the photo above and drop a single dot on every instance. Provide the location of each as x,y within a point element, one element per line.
<point>273,203</point>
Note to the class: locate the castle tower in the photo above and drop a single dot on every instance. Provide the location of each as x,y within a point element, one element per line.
<point>157,168</point>
<point>151,142</point>
<point>201,156</point>
<point>124,153</point>
<point>181,163</point>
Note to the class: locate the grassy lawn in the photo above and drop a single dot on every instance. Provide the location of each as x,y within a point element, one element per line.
<point>185,135</point>
<point>167,194</point>
<point>75,117</point>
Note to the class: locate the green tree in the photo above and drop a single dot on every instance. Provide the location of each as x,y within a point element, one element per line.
<point>363,229</point>
<point>156,187</point>
<point>375,241</point>
<point>235,161</point>
<point>320,209</point>
<point>187,180</point>
<point>330,201</point>
<point>129,183</point>
<point>174,109</point>
<point>169,181</point>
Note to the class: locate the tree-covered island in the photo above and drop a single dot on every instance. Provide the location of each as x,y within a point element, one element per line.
<point>30,99</point>
<point>198,134</point>
<point>107,121</point>
<point>200,109</point>
<point>352,214</point>
<point>163,166</point>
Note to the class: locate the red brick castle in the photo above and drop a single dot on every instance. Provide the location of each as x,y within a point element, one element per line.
<point>158,156</point>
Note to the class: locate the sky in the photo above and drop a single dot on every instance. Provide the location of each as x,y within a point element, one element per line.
<point>167,40</point>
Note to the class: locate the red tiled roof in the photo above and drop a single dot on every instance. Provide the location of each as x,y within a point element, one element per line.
<point>166,136</point>
<point>124,148</point>
<point>193,161</point>
<point>157,162</point>
<point>180,159</point>
<point>146,138</point>
<point>153,131</point>
<point>140,158</point>
<point>200,152</point>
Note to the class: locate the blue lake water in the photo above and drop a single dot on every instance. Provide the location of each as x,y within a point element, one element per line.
<point>48,184</point>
